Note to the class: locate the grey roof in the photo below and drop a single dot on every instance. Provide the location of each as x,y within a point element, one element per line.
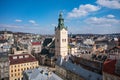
<point>6,46</point>
<point>4,56</point>
<point>86,74</point>
<point>40,74</point>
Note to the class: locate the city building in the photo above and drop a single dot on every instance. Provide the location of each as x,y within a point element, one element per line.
<point>86,61</point>
<point>36,47</point>
<point>111,66</point>
<point>20,63</point>
<point>61,38</point>
<point>100,45</point>
<point>65,68</point>
<point>4,66</point>
<point>88,42</point>
<point>18,50</point>
<point>72,49</point>
<point>114,53</point>
<point>5,46</point>
<point>111,69</point>
<point>70,71</point>
<point>40,74</point>
<point>7,34</point>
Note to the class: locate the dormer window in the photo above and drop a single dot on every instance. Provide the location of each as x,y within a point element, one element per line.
<point>63,40</point>
<point>26,56</point>
<point>20,57</point>
<point>15,57</point>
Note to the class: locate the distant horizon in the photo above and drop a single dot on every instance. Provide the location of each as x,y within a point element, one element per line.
<point>41,16</point>
<point>54,33</point>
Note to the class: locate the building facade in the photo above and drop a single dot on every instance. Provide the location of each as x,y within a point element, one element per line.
<point>36,47</point>
<point>61,38</point>
<point>4,66</point>
<point>20,63</point>
<point>111,69</point>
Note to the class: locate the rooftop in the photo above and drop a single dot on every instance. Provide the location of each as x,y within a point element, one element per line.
<point>77,69</point>
<point>36,43</point>
<point>40,73</point>
<point>3,56</point>
<point>21,58</point>
<point>109,66</point>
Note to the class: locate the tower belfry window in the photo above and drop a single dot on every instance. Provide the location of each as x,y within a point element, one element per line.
<point>63,40</point>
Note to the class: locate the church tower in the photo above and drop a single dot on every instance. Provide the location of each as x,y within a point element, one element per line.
<point>61,38</point>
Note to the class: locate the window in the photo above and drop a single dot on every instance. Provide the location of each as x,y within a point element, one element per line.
<point>11,70</point>
<point>11,75</point>
<point>15,74</point>
<point>15,57</point>
<point>63,40</point>
<point>20,57</point>
<point>26,56</point>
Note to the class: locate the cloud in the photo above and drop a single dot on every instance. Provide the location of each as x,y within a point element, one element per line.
<point>113,4</point>
<point>110,16</point>
<point>83,10</point>
<point>18,20</point>
<point>53,25</point>
<point>102,21</point>
<point>32,22</point>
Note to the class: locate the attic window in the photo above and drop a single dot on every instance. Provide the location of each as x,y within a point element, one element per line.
<point>20,57</point>
<point>26,56</point>
<point>15,57</point>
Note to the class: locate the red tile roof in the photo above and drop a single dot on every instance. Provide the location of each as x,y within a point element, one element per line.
<point>109,66</point>
<point>21,58</point>
<point>36,43</point>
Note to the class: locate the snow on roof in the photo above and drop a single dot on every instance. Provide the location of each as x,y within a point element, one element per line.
<point>86,74</point>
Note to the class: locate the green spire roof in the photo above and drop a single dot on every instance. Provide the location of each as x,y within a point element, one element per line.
<point>61,22</point>
<point>60,15</point>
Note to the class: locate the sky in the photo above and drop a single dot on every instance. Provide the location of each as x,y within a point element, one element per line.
<point>41,16</point>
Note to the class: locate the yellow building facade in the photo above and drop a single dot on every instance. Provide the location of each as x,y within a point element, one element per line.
<point>20,63</point>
